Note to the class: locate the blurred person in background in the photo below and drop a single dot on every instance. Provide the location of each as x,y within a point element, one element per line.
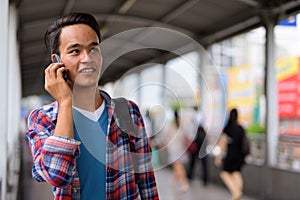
<point>149,126</point>
<point>176,154</point>
<point>60,157</point>
<point>199,142</point>
<point>195,144</point>
<point>231,158</point>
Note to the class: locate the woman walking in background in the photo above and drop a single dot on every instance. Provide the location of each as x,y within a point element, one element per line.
<point>175,147</point>
<point>231,145</point>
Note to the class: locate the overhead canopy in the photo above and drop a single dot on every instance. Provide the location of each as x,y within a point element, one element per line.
<point>205,21</point>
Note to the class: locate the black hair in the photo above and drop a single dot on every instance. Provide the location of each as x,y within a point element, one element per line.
<point>176,118</point>
<point>53,32</point>
<point>233,117</point>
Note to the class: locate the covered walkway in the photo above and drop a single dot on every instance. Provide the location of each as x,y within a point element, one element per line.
<point>32,190</point>
<point>37,191</point>
<point>23,58</point>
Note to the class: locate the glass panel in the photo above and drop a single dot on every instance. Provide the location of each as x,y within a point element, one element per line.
<point>287,39</point>
<point>242,60</point>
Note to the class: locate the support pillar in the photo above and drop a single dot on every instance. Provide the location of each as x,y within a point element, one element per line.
<point>4,16</point>
<point>271,103</point>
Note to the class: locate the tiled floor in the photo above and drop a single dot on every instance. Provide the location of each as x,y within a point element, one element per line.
<point>42,191</point>
<point>196,191</point>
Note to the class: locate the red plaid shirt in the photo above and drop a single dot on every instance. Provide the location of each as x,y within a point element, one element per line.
<point>55,157</point>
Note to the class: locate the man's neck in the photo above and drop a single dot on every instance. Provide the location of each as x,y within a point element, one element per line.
<point>87,98</point>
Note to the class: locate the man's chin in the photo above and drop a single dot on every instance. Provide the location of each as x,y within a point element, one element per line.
<point>85,85</point>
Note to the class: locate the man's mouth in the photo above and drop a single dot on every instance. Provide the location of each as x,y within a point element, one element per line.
<point>87,70</point>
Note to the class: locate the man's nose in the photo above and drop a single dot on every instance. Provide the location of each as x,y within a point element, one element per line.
<point>85,56</point>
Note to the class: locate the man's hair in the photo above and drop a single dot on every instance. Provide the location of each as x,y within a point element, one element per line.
<point>53,32</point>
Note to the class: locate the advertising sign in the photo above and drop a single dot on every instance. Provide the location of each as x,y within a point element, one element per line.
<point>241,93</point>
<point>288,87</point>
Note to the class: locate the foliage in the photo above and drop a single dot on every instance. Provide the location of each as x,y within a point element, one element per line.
<point>255,129</point>
<point>175,105</point>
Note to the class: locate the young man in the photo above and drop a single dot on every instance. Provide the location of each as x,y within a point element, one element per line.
<point>101,166</point>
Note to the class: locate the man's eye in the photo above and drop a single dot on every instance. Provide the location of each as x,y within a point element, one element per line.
<point>95,49</point>
<point>74,51</point>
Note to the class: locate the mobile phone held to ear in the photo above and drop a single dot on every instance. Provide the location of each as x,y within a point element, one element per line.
<point>57,60</point>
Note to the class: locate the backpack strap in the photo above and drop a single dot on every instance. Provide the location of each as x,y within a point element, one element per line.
<point>123,117</point>
<point>125,123</point>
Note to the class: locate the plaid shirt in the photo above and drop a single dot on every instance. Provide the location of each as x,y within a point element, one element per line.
<point>54,157</point>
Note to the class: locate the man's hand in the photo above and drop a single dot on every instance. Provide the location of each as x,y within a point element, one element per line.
<point>61,91</point>
<point>57,87</point>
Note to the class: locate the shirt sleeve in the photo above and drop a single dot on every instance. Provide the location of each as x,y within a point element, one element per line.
<point>146,179</point>
<point>54,157</point>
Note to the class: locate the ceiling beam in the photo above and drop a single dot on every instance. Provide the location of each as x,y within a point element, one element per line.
<point>141,21</point>
<point>69,6</point>
<point>122,9</point>
<point>252,3</point>
<point>231,31</point>
<point>145,22</point>
<point>126,6</point>
<point>287,9</point>
<point>179,10</point>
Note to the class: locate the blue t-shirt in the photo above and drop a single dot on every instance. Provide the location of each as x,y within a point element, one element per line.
<point>91,163</point>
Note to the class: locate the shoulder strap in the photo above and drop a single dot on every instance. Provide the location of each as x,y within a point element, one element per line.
<point>123,117</point>
<point>125,123</point>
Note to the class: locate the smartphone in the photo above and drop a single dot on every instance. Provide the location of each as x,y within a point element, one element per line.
<point>58,60</point>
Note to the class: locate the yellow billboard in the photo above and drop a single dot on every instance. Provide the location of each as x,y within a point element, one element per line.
<point>286,67</point>
<point>240,92</point>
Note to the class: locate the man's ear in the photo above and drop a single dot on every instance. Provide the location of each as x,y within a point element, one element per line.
<point>55,58</point>
<point>52,57</point>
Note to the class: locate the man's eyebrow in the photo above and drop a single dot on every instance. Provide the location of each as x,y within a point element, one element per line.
<point>73,46</point>
<point>80,45</point>
<point>94,44</point>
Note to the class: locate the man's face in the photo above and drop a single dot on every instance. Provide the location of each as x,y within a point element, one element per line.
<point>81,55</point>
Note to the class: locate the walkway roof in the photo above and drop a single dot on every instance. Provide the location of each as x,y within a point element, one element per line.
<point>206,21</point>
